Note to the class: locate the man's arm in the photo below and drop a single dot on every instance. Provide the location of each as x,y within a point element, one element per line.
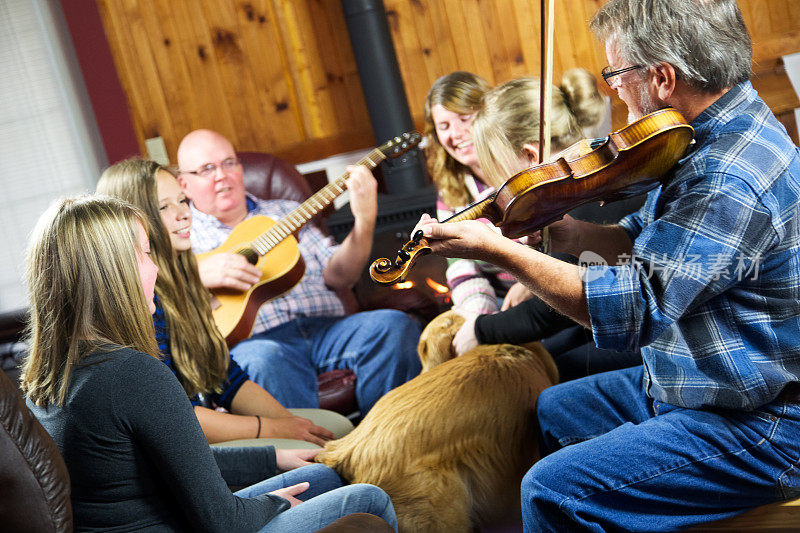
<point>554,281</point>
<point>574,237</point>
<point>345,266</point>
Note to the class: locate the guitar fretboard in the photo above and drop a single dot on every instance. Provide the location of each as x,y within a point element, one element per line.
<point>318,201</point>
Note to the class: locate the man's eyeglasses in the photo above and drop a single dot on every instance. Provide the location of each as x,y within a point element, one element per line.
<point>607,73</point>
<point>209,170</point>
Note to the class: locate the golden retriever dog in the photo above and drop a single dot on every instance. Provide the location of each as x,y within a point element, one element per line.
<point>451,446</point>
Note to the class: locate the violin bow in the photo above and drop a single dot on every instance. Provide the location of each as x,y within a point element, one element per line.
<point>545,93</point>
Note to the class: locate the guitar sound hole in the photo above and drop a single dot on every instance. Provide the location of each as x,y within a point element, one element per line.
<point>249,254</point>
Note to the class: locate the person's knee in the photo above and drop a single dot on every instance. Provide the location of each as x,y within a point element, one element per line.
<point>546,401</point>
<point>376,496</point>
<point>396,323</point>
<point>322,474</point>
<point>542,489</point>
<point>258,356</point>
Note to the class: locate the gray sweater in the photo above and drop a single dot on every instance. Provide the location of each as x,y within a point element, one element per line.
<point>136,455</point>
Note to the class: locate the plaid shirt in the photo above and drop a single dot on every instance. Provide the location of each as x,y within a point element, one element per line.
<point>711,294</point>
<point>310,297</point>
<point>236,376</point>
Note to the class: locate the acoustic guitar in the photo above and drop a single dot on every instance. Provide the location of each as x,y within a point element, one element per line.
<point>272,247</point>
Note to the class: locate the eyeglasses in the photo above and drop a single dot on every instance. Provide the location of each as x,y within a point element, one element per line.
<point>607,73</point>
<point>209,170</point>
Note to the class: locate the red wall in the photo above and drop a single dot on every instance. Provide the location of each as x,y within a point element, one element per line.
<point>100,76</point>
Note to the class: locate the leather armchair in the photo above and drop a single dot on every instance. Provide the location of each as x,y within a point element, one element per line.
<point>267,176</point>
<point>34,482</point>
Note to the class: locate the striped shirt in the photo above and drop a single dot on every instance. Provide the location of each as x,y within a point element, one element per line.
<point>474,285</point>
<point>236,376</point>
<point>711,294</point>
<point>310,297</point>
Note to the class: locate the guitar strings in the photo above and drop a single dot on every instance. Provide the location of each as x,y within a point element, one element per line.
<point>303,213</point>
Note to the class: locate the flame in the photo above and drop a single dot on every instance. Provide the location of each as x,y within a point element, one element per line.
<point>403,285</point>
<point>438,287</point>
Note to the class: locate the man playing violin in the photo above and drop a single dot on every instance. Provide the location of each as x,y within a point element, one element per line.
<point>304,332</point>
<point>704,281</point>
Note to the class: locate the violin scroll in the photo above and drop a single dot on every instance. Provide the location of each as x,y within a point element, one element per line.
<point>386,272</point>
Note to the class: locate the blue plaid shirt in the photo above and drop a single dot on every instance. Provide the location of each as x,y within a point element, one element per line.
<point>711,294</point>
<point>310,297</point>
<point>236,376</point>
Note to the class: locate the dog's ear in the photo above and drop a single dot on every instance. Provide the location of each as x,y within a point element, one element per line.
<point>436,342</point>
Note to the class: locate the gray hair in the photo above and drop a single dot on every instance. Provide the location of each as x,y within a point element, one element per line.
<point>705,40</point>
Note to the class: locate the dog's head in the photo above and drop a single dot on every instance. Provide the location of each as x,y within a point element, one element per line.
<point>436,342</point>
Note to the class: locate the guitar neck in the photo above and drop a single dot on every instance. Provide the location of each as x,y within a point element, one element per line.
<point>318,201</point>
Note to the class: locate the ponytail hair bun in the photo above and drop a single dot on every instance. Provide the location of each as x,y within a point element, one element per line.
<point>582,97</point>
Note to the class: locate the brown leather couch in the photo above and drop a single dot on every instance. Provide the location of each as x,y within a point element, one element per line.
<point>267,176</point>
<point>34,482</point>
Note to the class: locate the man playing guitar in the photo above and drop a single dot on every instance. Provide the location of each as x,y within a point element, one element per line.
<point>304,332</point>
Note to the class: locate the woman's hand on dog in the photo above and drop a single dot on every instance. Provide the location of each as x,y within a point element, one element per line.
<point>465,339</point>
<point>289,493</point>
<point>516,294</point>
<point>291,459</point>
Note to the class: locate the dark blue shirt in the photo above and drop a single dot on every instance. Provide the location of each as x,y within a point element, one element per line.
<point>236,376</point>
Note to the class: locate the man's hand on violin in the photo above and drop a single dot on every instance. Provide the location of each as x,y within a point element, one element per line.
<point>563,235</point>
<point>230,271</point>
<point>469,239</point>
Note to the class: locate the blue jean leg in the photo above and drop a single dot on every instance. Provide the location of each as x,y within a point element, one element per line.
<point>671,470</point>
<point>324,501</point>
<point>379,346</point>
<point>318,512</point>
<point>586,408</point>
<point>321,479</point>
<point>280,361</point>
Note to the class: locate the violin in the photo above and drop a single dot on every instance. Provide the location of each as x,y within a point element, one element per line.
<point>627,163</point>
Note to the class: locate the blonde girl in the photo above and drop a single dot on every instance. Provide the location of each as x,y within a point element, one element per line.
<point>135,452</point>
<point>189,341</point>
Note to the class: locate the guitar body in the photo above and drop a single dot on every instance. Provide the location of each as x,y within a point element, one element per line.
<point>281,269</point>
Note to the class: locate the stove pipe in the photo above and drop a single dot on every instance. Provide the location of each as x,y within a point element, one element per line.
<point>383,89</point>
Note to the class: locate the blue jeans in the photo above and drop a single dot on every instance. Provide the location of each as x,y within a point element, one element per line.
<point>379,346</point>
<point>325,501</point>
<point>621,461</point>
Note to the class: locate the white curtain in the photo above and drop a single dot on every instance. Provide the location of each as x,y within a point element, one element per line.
<point>49,143</point>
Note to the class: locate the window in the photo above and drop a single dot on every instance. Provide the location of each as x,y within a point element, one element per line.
<point>49,145</point>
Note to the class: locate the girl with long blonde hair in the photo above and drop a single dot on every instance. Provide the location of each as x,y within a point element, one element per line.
<point>189,340</point>
<point>136,455</point>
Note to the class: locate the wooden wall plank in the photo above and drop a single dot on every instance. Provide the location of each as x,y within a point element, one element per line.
<point>276,106</point>
<point>528,25</point>
<point>280,76</point>
<point>204,78</point>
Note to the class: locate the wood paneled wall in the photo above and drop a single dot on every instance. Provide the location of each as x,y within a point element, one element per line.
<point>279,75</point>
